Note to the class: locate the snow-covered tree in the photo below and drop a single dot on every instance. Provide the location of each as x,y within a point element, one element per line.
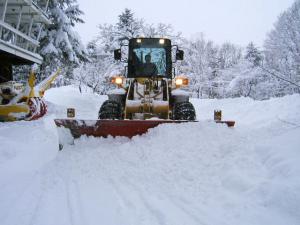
<point>197,64</point>
<point>248,81</point>
<point>96,74</point>
<point>253,54</point>
<point>60,45</point>
<point>110,36</point>
<point>229,55</point>
<point>161,30</point>
<point>128,26</point>
<point>282,49</point>
<point>203,63</point>
<point>102,66</point>
<point>281,58</point>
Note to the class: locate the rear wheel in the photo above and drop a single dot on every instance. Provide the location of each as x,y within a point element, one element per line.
<point>110,110</point>
<point>184,111</point>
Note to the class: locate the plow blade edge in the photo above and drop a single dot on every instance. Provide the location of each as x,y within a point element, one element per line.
<point>70,129</point>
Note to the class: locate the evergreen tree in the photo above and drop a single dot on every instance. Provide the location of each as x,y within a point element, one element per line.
<point>128,26</point>
<point>253,55</point>
<point>112,35</point>
<point>60,45</point>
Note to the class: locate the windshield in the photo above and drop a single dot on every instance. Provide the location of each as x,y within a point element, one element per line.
<point>148,61</point>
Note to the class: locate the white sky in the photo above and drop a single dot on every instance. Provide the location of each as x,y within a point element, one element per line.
<point>238,21</point>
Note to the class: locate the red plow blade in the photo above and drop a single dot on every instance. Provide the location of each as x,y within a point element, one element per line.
<point>104,128</point>
<point>70,129</point>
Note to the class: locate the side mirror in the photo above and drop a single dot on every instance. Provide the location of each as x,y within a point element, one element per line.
<point>179,55</point>
<point>117,54</point>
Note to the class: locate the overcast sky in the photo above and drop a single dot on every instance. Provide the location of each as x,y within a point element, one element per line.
<point>237,21</point>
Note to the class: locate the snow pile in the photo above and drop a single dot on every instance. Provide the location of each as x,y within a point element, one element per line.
<point>86,104</point>
<point>196,173</point>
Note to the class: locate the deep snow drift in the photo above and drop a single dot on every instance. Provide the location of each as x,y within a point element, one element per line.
<point>197,173</point>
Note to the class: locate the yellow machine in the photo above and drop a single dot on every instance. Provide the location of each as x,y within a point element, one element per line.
<point>19,102</point>
<point>147,95</point>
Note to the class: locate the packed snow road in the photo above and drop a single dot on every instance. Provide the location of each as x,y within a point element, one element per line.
<point>197,173</point>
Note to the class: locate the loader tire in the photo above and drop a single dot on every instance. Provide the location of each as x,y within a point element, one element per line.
<point>184,111</point>
<point>110,110</point>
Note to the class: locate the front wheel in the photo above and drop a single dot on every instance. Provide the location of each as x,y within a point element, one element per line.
<point>184,111</point>
<point>110,110</point>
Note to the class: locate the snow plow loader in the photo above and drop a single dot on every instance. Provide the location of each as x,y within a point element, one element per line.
<point>149,94</point>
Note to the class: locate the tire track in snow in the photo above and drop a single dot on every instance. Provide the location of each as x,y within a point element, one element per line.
<point>158,215</point>
<point>134,198</point>
<point>187,209</point>
<point>136,202</point>
<point>137,207</point>
<point>121,195</point>
<point>161,216</point>
<point>47,180</point>
<point>16,200</point>
<point>133,208</point>
<point>31,207</point>
<point>74,203</point>
<point>37,206</point>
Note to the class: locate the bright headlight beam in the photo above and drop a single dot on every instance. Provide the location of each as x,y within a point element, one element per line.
<point>161,41</point>
<point>119,80</point>
<point>179,82</point>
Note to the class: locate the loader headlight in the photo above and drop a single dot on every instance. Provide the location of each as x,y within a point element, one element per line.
<point>162,41</point>
<point>181,81</point>
<point>118,80</point>
<point>178,82</point>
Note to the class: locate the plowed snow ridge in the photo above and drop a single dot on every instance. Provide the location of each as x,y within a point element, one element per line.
<point>197,173</point>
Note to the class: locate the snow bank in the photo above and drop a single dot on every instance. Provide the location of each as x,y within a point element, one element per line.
<point>196,173</point>
<point>86,104</point>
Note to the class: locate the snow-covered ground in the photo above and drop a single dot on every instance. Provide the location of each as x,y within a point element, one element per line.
<point>197,173</point>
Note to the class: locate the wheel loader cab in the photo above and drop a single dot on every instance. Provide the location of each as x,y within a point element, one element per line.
<point>149,57</point>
